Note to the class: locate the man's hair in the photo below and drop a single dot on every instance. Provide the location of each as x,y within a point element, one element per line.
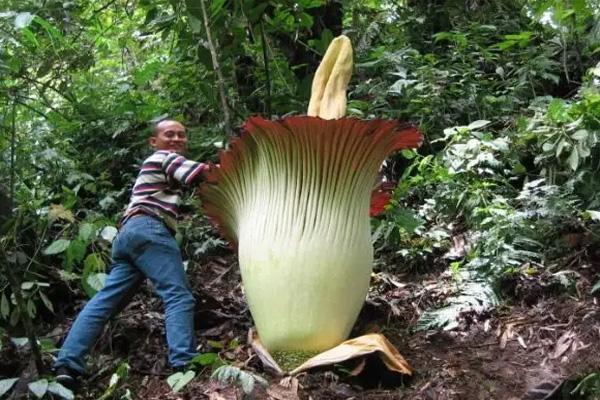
<point>157,122</point>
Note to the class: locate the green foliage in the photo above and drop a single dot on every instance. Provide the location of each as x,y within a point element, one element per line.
<point>6,385</point>
<point>117,379</point>
<point>474,295</point>
<point>506,92</point>
<point>596,287</point>
<point>246,380</point>
<point>589,386</point>
<point>207,360</point>
<point>179,380</point>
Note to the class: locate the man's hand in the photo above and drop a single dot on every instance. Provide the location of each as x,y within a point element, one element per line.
<point>209,172</point>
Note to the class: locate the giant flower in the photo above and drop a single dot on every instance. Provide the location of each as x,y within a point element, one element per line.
<point>294,196</point>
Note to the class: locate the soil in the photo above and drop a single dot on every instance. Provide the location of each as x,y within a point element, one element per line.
<point>541,339</point>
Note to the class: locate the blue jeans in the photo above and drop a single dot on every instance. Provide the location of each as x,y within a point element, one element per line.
<point>144,248</point>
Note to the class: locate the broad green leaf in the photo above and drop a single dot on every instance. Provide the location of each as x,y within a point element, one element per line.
<point>478,124</point>
<point>547,146</point>
<point>96,281</point>
<point>106,202</point>
<point>573,159</point>
<point>4,306</point>
<point>562,144</point>
<point>86,231</point>
<point>581,134</point>
<point>46,301</point>
<point>92,277</point>
<point>30,37</point>
<point>109,233</point>
<point>593,215</point>
<point>59,390</point>
<point>39,388</point>
<point>557,111</point>
<point>195,24</point>
<point>22,20</point>
<point>179,380</point>
<point>205,358</point>
<point>121,373</point>
<point>19,341</point>
<point>596,287</point>
<point>75,253</point>
<point>584,151</point>
<point>57,247</point>
<point>31,308</point>
<point>519,169</point>
<point>246,380</point>
<point>215,7</point>
<point>6,385</point>
<point>407,220</point>
<point>408,154</point>
<point>94,263</point>
<point>174,378</point>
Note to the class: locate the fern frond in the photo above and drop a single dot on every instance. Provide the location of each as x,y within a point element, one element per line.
<point>475,295</point>
<point>246,380</point>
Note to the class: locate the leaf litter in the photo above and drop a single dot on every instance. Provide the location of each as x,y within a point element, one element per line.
<point>504,354</point>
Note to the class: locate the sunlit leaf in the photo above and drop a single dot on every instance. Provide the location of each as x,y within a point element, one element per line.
<point>178,380</point>
<point>205,359</point>
<point>57,247</point>
<point>96,281</point>
<point>478,124</point>
<point>6,385</point>
<point>46,301</point>
<point>573,159</point>
<point>86,231</point>
<point>596,287</point>
<point>109,233</point>
<point>22,20</point>
<point>59,390</point>
<point>4,306</point>
<point>39,388</point>
<point>19,341</point>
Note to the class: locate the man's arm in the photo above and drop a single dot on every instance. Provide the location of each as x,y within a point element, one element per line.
<point>183,170</point>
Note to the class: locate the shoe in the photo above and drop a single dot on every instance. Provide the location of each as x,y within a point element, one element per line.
<point>67,377</point>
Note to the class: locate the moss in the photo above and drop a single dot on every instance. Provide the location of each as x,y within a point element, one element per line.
<point>290,359</point>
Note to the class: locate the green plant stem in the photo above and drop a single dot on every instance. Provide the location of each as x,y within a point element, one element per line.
<point>267,70</point>
<point>12,279</point>
<point>13,141</point>
<point>25,318</point>
<point>216,66</point>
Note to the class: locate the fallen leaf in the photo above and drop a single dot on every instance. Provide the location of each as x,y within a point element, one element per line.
<point>357,347</point>
<point>562,345</point>
<point>521,341</point>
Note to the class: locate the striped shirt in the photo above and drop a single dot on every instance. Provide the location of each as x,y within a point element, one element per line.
<point>158,188</point>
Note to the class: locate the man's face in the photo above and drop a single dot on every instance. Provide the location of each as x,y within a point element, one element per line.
<point>169,135</point>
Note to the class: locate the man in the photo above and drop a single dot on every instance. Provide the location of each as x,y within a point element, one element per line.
<point>144,248</point>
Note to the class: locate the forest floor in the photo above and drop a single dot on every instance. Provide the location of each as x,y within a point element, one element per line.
<point>539,340</point>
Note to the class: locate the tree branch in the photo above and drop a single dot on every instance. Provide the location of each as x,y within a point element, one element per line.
<point>12,279</point>
<point>267,70</point>
<point>217,68</point>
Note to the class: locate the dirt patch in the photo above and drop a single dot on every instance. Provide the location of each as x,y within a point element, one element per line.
<point>498,356</point>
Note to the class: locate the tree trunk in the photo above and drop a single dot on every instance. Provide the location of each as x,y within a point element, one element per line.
<point>217,68</point>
